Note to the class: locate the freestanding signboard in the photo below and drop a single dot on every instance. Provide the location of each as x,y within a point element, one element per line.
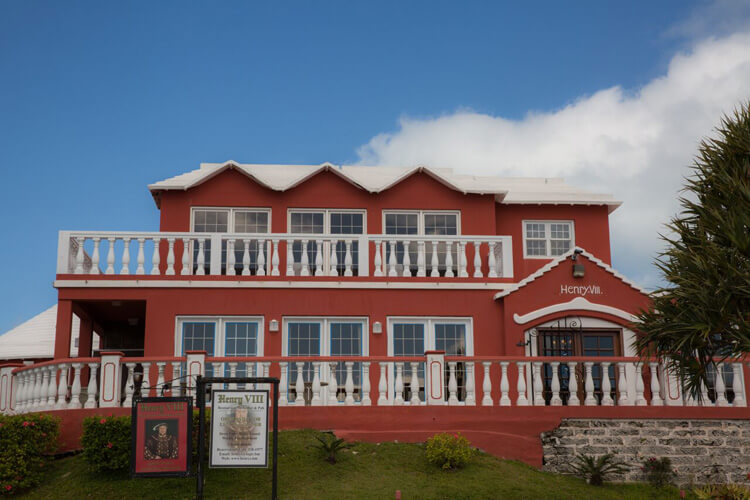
<point>239,428</point>
<point>161,437</point>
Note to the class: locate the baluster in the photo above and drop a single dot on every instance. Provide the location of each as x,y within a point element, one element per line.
<point>19,397</point>
<point>452,384</point>
<point>110,256</point>
<point>656,399</point>
<point>140,259</point>
<point>125,269</point>
<point>392,259</point>
<point>349,385</point>
<point>218,372</point>
<point>365,398</point>
<point>622,386</point>
<point>160,377</point>
<point>348,259</point>
<point>449,259</point>
<point>478,259</point>
<point>504,385</point>
<point>382,385</point>
<point>537,386</point>
<point>573,385</point>
<point>316,400</point>
<point>470,399</point>
<point>201,260</point>
<point>261,269</point>
<point>52,387</point>
<point>299,386</point>
<point>739,396</point>
<point>75,390</point>
<point>486,385</point>
<point>33,397</point>
<point>62,387</point>
<point>29,390</point>
<point>333,262</point>
<point>155,258</point>
<point>289,258</point>
<point>305,271</point>
<point>46,384</point>
<point>186,270</point>
<point>44,387</point>
<point>421,259</point>
<point>462,272</point>
<point>521,384</point>
<point>407,260</point>
<point>333,386</point>
<point>95,257</point>
<point>146,382</point>
<point>129,385</point>
<point>319,258</point>
<point>283,389</point>
<point>414,384</point>
<point>233,374</point>
<point>275,258</point>
<point>265,367</point>
<point>589,385</point>
<point>555,384</point>
<point>176,386</point>
<point>246,257</point>
<point>38,387</point>
<point>378,260</point>
<point>705,400</point>
<point>434,263</point>
<point>491,261</point>
<point>231,259</point>
<point>399,389</point>
<point>79,256</point>
<point>170,257</point>
<point>719,386</point>
<point>250,371</point>
<point>606,385</point>
<point>640,399</point>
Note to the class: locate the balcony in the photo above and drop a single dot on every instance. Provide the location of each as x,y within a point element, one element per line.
<point>301,256</point>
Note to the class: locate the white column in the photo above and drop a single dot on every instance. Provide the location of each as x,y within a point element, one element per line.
<point>75,390</point>
<point>160,379</point>
<point>407,260</point>
<point>491,261</point>
<point>275,258</point>
<point>201,260</point>
<point>573,385</point>
<point>471,399</point>
<point>95,257</point>
<point>349,384</point>
<point>462,272</point>
<point>333,262</point>
<point>392,259</point>
<point>486,385</point>
<point>382,385</point>
<point>414,385</point>
<point>170,256</point>
<point>261,263</point>
<point>719,386</point>
<point>399,389</point>
<point>656,399</point>
<point>185,260</point>
<point>128,385</point>
<point>434,263</point>
<point>555,384</point>
<point>79,256</point>
<point>110,256</point>
<point>52,387</point>
<point>316,400</point>
<point>378,260</point>
<point>333,386</point>
<point>43,386</point>
<point>92,386</point>
<point>175,391</point>
<point>289,258</point>
<point>606,386</point>
<point>155,257</point>
<point>366,401</point>
<point>38,379</point>
<point>589,385</point>
<point>449,259</point>
<point>195,365</point>
<point>125,269</point>
<point>521,384</point>
<point>452,384</point>
<point>299,386</point>
<point>62,387</point>
<point>421,259</point>
<point>640,399</point>
<point>140,259</point>
<point>283,384</point>
<point>537,386</point>
<point>504,385</point>
<point>739,395</point>
<point>305,269</point>
<point>319,260</point>
<point>348,259</point>
<point>231,258</point>
<point>246,257</point>
<point>622,385</point>
<point>477,259</point>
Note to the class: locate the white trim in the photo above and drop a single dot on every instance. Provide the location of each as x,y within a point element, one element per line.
<point>554,263</point>
<point>578,303</point>
<point>547,236</point>
<point>420,219</point>
<point>400,285</point>
<point>219,334</point>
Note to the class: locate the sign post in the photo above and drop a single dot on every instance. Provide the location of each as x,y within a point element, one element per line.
<point>239,426</point>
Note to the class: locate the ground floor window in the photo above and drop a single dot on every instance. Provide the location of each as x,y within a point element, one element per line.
<point>413,336</point>
<point>310,337</point>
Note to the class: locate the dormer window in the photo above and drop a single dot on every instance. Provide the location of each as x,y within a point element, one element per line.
<point>547,239</point>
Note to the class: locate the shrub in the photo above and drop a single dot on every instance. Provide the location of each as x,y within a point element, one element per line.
<point>449,451</point>
<point>595,470</point>
<point>25,440</point>
<point>658,472</point>
<point>106,443</point>
<point>330,445</point>
<point>722,492</point>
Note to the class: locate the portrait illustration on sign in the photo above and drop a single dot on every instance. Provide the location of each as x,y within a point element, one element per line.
<point>162,441</point>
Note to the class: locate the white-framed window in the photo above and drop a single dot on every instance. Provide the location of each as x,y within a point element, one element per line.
<point>422,223</point>
<point>325,336</point>
<point>327,221</point>
<point>547,239</point>
<point>229,220</point>
<point>412,336</point>
<point>220,336</point>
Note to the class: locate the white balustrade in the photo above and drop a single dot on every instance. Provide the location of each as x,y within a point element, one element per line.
<point>399,389</point>
<point>606,385</point>
<point>555,400</point>
<point>129,385</point>
<point>414,384</point>
<point>521,400</point>
<point>75,389</point>
<point>504,384</point>
<point>283,384</point>
<point>622,385</point>
<point>588,385</point>
<point>537,383</point>
<point>720,386</point>
<point>349,384</point>
<point>471,399</point>
<point>640,399</point>
<point>656,399</point>
<point>573,384</point>
<point>333,386</point>
<point>316,400</point>
<point>452,384</point>
<point>382,385</point>
<point>365,399</point>
<point>739,396</point>
<point>486,385</point>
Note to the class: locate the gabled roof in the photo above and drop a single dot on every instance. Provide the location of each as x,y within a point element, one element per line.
<point>34,338</point>
<point>507,190</point>
<point>556,262</point>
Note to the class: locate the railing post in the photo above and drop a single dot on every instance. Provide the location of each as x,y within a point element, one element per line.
<point>737,385</point>
<point>491,262</point>
<point>275,258</point>
<point>349,384</point>
<point>507,257</point>
<point>452,384</point>
<point>719,386</point>
<point>435,371</point>
<point>555,385</point>
<point>414,384</point>
<point>382,384</point>
<point>283,384</point>
<point>316,401</point>
<point>63,252</point>
<point>537,386</point>
<point>378,262</point>
<point>7,393</point>
<point>471,399</point>
<point>486,385</point>
<point>606,385</point>
<point>215,264</point>
<point>299,386</point>
<point>363,251</point>
<point>478,259</point>
<point>75,389</point>
<point>449,259</point>
<point>504,384</point>
<point>129,385</point>
<point>656,399</point>
<point>366,401</point>
<point>109,380</point>
<point>590,399</point>
<point>573,384</point>
<point>399,389</point>
<point>522,400</point>
<point>640,399</point>
<point>333,385</point>
<point>622,385</point>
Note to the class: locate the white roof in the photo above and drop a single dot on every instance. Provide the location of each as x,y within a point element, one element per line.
<point>507,190</point>
<point>34,338</point>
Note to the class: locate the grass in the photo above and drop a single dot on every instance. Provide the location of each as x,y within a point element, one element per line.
<point>364,471</point>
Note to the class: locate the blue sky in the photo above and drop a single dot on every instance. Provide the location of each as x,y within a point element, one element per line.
<point>98,99</point>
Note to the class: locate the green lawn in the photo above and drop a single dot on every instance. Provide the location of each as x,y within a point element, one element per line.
<point>364,471</point>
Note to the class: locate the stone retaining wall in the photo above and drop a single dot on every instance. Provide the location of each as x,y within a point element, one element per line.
<point>701,451</point>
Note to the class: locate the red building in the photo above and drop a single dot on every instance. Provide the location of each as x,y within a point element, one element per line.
<point>363,287</point>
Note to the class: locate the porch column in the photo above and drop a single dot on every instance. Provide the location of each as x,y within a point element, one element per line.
<point>434,376</point>
<point>64,325</point>
<point>85,337</point>
<point>109,380</point>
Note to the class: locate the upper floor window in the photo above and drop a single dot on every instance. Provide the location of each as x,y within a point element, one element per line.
<point>545,239</point>
<point>321,221</point>
<point>422,223</point>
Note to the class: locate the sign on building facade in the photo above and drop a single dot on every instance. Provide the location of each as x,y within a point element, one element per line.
<point>161,437</point>
<point>239,428</point>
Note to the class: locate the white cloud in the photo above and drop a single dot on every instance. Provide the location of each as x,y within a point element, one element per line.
<point>636,145</point>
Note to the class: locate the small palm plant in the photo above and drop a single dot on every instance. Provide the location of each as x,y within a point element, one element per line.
<point>330,445</point>
<point>595,470</point>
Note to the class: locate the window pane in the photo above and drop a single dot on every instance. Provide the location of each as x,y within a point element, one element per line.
<point>451,338</point>
<point>210,221</point>
<point>402,223</point>
<point>303,340</point>
<point>307,222</point>
<point>440,224</point>
<point>250,221</point>
<point>560,231</point>
<point>241,339</point>
<point>535,230</point>
<point>199,336</point>
<point>559,247</point>
<point>408,340</point>
<point>346,223</point>
<point>346,340</point>
<point>536,247</point>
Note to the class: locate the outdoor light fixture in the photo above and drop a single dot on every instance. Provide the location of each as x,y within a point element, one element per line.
<point>377,327</point>
<point>578,270</point>
<point>273,325</point>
